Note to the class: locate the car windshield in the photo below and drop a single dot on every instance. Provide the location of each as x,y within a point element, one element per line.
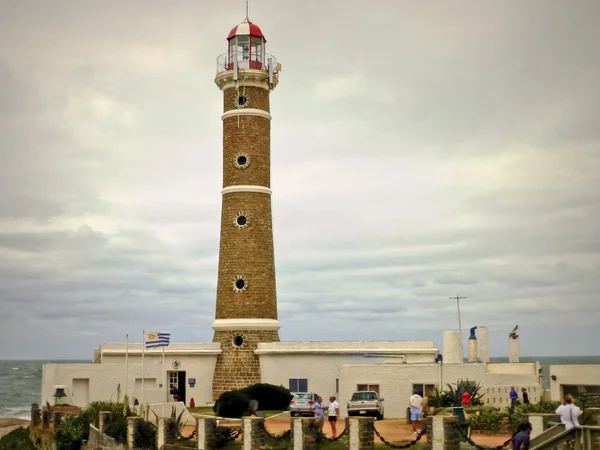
<point>361,396</point>
<point>305,396</point>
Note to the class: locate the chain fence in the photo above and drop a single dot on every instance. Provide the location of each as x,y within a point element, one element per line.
<point>408,445</point>
<point>276,436</point>
<point>465,437</point>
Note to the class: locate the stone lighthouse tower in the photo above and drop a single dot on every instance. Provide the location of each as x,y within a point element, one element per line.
<point>246,312</point>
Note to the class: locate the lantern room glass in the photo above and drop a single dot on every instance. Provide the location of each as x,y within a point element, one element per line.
<point>248,51</point>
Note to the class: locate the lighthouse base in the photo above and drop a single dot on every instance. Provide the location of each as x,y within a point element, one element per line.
<point>237,365</point>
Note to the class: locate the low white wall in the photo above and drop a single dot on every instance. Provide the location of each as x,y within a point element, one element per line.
<point>574,375</point>
<point>395,381</point>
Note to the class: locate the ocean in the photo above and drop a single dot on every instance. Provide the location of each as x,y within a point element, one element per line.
<point>21,381</point>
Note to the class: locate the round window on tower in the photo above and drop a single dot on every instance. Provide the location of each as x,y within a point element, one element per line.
<point>240,284</point>
<point>238,341</point>
<point>241,161</point>
<point>241,220</point>
<point>241,101</point>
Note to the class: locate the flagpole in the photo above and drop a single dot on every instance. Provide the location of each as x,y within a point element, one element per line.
<point>127,366</point>
<point>164,382</point>
<point>143,351</point>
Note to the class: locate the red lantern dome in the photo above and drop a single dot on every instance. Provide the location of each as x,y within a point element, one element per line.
<point>246,47</point>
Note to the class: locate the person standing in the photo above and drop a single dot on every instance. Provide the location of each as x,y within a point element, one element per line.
<point>569,413</point>
<point>415,402</point>
<point>319,412</point>
<point>514,397</point>
<point>521,440</point>
<point>332,414</point>
<point>525,396</point>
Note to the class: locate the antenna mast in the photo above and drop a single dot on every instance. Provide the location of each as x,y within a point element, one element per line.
<point>247,19</point>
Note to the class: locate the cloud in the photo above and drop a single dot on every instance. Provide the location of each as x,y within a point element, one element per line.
<point>417,153</point>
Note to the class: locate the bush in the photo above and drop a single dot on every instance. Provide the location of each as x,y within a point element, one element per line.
<point>235,404</point>
<point>518,414</point>
<point>145,436</point>
<point>439,399</point>
<point>269,396</point>
<point>71,431</point>
<point>232,404</point>
<point>456,391</point>
<point>486,420</point>
<point>118,430</point>
<point>17,439</point>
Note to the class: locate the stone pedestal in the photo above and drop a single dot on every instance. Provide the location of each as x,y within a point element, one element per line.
<point>253,429</point>
<point>513,350</point>
<point>304,433</point>
<point>104,420</point>
<point>483,345</point>
<point>361,433</point>
<point>205,431</point>
<point>442,433</point>
<point>45,418</point>
<point>36,416</point>
<point>133,424</point>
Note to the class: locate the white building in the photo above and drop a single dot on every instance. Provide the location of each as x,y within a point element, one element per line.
<point>392,368</point>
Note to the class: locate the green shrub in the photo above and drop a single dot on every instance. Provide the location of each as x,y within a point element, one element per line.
<point>439,399</point>
<point>456,391</point>
<point>223,435</point>
<point>17,439</point>
<point>71,431</point>
<point>486,419</point>
<point>118,430</point>
<point>518,414</point>
<point>145,436</point>
<point>269,396</point>
<point>235,404</point>
<point>232,404</point>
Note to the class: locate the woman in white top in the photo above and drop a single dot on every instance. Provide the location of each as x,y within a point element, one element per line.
<point>568,413</point>
<point>334,408</point>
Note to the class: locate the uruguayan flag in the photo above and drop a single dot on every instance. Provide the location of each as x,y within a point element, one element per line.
<point>156,339</point>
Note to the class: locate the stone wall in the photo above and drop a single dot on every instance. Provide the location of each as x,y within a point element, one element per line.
<point>100,441</point>
<point>238,367</point>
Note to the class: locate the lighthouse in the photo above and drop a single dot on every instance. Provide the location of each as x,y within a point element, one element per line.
<point>246,304</point>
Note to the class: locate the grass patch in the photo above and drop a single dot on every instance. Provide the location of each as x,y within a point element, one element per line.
<point>17,439</point>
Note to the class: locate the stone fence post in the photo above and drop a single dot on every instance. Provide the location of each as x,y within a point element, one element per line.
<point>45,418</point>
<point>442,433</point>
<point>56,418</point>
<point>304,433</point>
<point>361,433</point>
<point>133,424</point>
<point>104,420</point>
<point>36,417</point>
<point>253,429</point>
<point>166,431</point>
<point>205,432</point>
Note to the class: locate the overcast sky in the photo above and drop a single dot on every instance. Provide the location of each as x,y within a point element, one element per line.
<point>420,150</point>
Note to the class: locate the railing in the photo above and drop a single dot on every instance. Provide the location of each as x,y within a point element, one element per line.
<point>225,63</point>
<point>584,437</point>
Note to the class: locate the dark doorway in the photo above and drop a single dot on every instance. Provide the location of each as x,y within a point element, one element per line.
<point>181,386</point>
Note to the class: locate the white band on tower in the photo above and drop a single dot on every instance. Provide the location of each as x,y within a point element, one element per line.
<point>246,112</point>
<point>245,324</point>
<point>242,188</point>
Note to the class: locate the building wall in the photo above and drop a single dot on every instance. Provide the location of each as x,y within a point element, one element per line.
<point>395,380</point>
<point>104,379</point>
<point>572,375</point>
